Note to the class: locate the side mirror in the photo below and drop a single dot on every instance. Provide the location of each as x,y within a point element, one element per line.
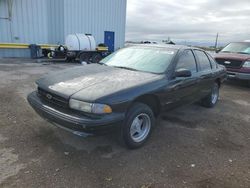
<point>183,73</point>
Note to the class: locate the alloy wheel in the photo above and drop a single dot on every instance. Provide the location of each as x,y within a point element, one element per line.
<point>140,127</point>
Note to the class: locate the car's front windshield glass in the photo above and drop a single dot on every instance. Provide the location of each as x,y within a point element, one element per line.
<point>147,59</point>
<point>237,47</point>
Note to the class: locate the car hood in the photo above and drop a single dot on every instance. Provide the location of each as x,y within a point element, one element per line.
<point>91,82</point>
<point>232,56</point>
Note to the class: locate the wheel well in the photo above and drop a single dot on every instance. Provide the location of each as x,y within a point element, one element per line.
<point>152,101</point>
<point>218,81</point>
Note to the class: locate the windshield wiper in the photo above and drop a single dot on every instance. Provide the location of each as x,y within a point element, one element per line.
<point>128,68</point>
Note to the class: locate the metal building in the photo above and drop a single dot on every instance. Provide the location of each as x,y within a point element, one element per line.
<point>49,21</point>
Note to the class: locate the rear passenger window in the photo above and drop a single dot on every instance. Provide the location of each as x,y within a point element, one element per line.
<point>203,59</point>
<point>187,61</point>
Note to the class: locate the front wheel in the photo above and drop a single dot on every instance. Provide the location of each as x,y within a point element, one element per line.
<point>211,100</point>
<point>138,125</point>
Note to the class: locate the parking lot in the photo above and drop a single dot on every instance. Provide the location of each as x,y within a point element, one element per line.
<point>191,146</point>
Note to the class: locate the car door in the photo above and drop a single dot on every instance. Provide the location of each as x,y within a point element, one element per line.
<point>183,90</point>
<point>205,73</point>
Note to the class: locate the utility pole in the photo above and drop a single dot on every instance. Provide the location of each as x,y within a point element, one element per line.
<point>216,41</point>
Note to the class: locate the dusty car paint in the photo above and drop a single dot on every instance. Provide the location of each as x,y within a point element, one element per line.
<point>119,88</point>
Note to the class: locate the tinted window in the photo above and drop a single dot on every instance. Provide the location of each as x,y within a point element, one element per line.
<point>187,61</point>
<point>203,59</point>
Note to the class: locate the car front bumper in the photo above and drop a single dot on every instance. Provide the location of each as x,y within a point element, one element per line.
<point>74,122</point>
<point>238,75</point>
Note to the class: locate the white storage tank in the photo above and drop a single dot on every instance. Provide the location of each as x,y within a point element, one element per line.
<point>77,42</point>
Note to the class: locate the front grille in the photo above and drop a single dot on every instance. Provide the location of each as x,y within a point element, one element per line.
<point>230,63</point>
<point>52,98</point>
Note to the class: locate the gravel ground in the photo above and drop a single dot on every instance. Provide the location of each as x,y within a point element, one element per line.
<point>191,146</point>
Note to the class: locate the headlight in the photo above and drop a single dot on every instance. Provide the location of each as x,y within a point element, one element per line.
<point>247,64</point>
<point>89,107</point>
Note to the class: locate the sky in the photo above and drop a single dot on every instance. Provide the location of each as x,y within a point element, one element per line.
<point>188,21</point>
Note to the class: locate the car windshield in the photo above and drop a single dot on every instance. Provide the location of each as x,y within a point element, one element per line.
<point>237,47</point>
<point>154,60</point>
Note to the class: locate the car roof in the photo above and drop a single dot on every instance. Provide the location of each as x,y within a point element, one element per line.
<point>167,46</point>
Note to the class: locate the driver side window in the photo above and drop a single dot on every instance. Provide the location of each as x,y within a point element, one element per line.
<point>187,61</point>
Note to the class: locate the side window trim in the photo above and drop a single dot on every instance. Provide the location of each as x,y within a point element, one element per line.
<point>209,60</point>
<point>196,62</point>
<point>212,59</point>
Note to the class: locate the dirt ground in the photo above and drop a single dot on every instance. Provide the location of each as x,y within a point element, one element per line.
<point>191,146</point>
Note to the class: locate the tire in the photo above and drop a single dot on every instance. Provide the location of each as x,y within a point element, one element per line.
<point>211,100</point>
<point>138,125</point>
<point>96,58</point>
<point>84,57</point>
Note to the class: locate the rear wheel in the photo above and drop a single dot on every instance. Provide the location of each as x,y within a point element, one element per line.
<point>211,100</point>
<point>84,57</point>
<point>96,58</point>
<point>138,125</point>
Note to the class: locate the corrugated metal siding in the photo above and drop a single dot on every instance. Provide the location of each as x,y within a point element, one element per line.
<point>28,25</point>
<point>4,23</point>
<point>95,17</point>
<point>49,21</point>
<point>55,21</point>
